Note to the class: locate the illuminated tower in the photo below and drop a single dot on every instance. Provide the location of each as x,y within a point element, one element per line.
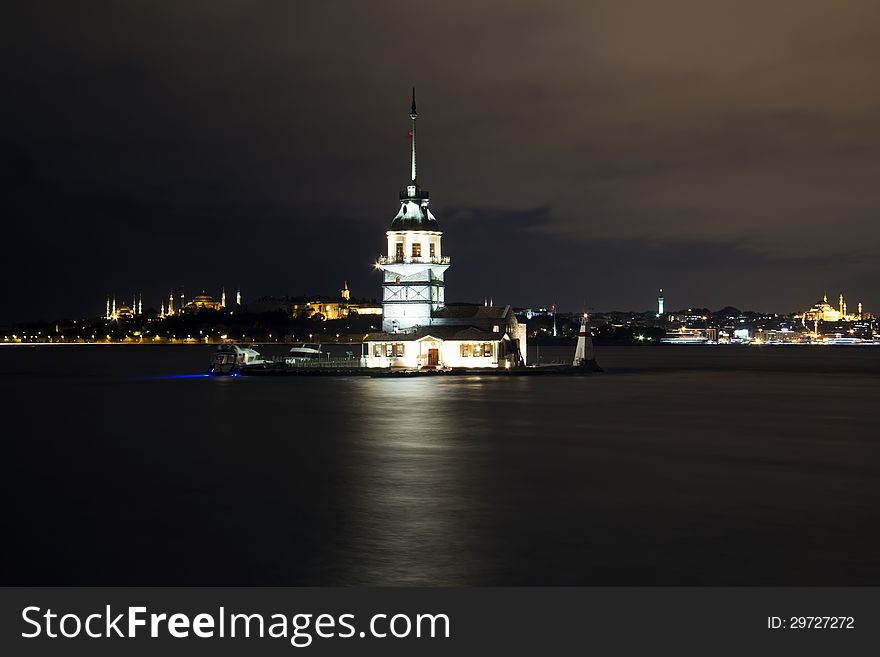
<point>107,312</point>
<point>860,310</point>
<point>414,266</point>
<point>140,304</point>
<point>223,297</point>
<point>113,309</point>
<point>238,296</point>
<point>162,310</point>
<point>660,303</point>
<point>171,302</point>
<point>346,294</point>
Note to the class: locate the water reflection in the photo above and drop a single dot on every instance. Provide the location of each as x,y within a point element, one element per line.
<point>678,467</point>
<point>408,503</point>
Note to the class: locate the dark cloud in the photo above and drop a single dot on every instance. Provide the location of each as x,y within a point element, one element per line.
<point>727,151</point>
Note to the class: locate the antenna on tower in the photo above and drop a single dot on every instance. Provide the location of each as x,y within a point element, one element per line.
<point>413,115</point>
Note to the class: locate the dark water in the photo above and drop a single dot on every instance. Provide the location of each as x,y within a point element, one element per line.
<point>680,465</point>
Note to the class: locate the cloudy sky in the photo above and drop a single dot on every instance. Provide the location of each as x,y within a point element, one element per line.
<point>583,153</point>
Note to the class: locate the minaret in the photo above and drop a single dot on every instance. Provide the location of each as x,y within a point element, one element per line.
<point>171,302</point>
<point>860,310</point>
<point>140,304</point>
<point>134,305</point>
<point>113,309</point>
<point>162,311</point>
<point>414,266</point>
<point>660,303</point>
<point>107,312</point>
<point>841,307</point>
<point>238,296</point>
<point>223,297</point>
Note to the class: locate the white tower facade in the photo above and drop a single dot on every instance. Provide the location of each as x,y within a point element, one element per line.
<point>660,303</point>
<point>414,264</point>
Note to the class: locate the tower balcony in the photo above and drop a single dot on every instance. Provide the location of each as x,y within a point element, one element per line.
<point>414,194</point>
<point>413,260</point>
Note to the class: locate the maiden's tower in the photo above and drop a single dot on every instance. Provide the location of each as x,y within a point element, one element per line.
<point>419,328</point>
<point>414,265</point>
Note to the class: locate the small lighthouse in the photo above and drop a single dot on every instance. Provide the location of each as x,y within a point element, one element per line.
<point>584,356</point>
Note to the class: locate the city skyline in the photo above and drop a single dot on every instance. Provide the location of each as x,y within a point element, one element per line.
<point>602,158</point>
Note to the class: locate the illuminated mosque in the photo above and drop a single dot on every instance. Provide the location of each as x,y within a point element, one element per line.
<point>825,312</point>
<point>115,311</point>
<point>202,301</point>
<point>419,330</point>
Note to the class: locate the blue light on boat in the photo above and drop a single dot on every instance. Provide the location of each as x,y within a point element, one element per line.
<point>184,376</point>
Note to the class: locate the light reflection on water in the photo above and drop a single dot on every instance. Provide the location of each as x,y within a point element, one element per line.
<point>407,499</point>
<point>677,467</point>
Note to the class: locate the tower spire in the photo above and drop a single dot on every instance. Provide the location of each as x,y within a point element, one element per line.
<point>413,115</point>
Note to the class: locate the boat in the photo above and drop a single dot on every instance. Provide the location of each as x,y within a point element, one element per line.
<point>843,341</point>
<point>684,338</point>
<point>303,352</point>
<point>232,358</point>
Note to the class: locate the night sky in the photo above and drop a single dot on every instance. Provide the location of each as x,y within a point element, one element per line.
<point>576,152</point>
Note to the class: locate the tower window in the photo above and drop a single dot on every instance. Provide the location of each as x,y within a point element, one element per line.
<point>432,251</point>
<point>416,250</point>
<point>399,252</point>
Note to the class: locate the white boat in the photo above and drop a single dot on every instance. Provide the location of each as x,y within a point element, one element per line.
<point>232,358</point>
<point>685,339</point>
<point>838,340</point>
<point>303,352</point>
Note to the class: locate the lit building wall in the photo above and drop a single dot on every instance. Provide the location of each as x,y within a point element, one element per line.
<point>365,310</point>
<point>415,354</point>
<point>468,353</point>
